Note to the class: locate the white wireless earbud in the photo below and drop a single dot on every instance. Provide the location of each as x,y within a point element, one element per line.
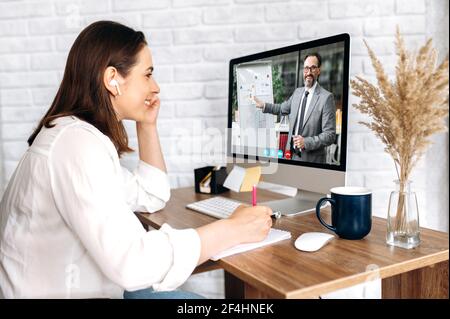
<point>116,84</point>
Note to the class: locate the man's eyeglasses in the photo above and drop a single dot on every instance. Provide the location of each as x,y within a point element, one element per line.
<point>311,68</point>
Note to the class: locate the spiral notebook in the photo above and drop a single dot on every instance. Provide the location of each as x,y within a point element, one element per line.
<point>275,235</point>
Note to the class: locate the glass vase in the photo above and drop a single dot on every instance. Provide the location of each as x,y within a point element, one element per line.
<point>403,217</point>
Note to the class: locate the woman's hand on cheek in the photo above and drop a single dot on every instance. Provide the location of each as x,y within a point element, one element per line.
<point>152,110</point>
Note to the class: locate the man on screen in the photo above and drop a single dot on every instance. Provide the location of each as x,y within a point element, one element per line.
<point>313,120</point>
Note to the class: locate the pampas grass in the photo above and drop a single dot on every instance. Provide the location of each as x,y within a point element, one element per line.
<point>407,112</point>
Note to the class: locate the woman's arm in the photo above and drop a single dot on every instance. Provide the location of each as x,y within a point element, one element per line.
<point>149,146</point>
<point>148,139</point>
<point>246,224</point>
<point>148,187</point>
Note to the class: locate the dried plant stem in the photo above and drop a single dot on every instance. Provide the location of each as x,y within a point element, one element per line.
<point>401,207</point>
<point>396,169</point>
<point>400,218</point>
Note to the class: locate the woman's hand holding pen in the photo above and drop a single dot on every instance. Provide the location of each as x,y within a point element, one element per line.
<point>253,222</point>
<point>245,225</point>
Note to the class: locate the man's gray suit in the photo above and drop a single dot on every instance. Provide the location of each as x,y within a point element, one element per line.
<point>319,124</point>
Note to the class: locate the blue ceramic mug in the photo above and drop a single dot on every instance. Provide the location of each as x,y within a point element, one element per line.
<point>351,211</point>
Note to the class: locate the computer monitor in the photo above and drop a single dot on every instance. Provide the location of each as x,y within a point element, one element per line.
<point>287,111</point>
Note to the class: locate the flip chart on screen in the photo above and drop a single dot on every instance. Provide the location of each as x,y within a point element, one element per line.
<point>254,79</point>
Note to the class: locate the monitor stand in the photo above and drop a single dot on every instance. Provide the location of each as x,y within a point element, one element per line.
<point>303,202</point>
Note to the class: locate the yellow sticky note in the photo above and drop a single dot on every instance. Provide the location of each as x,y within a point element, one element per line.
<point>251,178</point>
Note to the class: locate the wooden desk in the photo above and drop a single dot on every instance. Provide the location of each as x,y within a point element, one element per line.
<point>281,271</point>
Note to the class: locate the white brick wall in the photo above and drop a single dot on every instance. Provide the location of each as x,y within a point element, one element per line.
<point>192,42</point>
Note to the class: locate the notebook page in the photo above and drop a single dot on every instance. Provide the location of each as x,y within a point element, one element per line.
<point>275,235</point>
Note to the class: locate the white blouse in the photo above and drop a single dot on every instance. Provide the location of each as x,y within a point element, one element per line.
<point>67,227</point>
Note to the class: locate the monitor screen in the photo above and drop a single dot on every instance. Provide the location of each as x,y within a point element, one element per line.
<point>290,104</point>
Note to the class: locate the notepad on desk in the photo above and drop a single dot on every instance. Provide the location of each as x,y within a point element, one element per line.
<point>275,235</point>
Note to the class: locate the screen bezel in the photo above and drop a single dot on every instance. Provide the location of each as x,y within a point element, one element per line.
<point>344,37</point>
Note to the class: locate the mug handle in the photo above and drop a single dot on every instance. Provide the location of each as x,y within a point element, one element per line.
<point>318,206</point>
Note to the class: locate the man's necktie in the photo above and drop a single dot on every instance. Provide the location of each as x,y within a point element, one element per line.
<point>298,129</point>
<point>302,114</point>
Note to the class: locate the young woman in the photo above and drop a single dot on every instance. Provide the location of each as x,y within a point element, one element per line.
<point>67,227</point>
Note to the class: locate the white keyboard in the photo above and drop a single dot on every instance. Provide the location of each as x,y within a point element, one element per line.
<point>218,207</point>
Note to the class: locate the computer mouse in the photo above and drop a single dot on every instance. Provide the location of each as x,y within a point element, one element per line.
<point>312,241</point>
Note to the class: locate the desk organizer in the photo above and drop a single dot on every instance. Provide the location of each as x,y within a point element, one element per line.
<point>217,179</point>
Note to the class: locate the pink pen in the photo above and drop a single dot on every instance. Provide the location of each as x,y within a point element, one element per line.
<point>275,215</point>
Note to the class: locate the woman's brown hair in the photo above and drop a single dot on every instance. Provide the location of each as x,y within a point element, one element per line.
<point>82,93</point>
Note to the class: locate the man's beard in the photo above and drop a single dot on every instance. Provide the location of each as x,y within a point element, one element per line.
<point>312,79</point>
